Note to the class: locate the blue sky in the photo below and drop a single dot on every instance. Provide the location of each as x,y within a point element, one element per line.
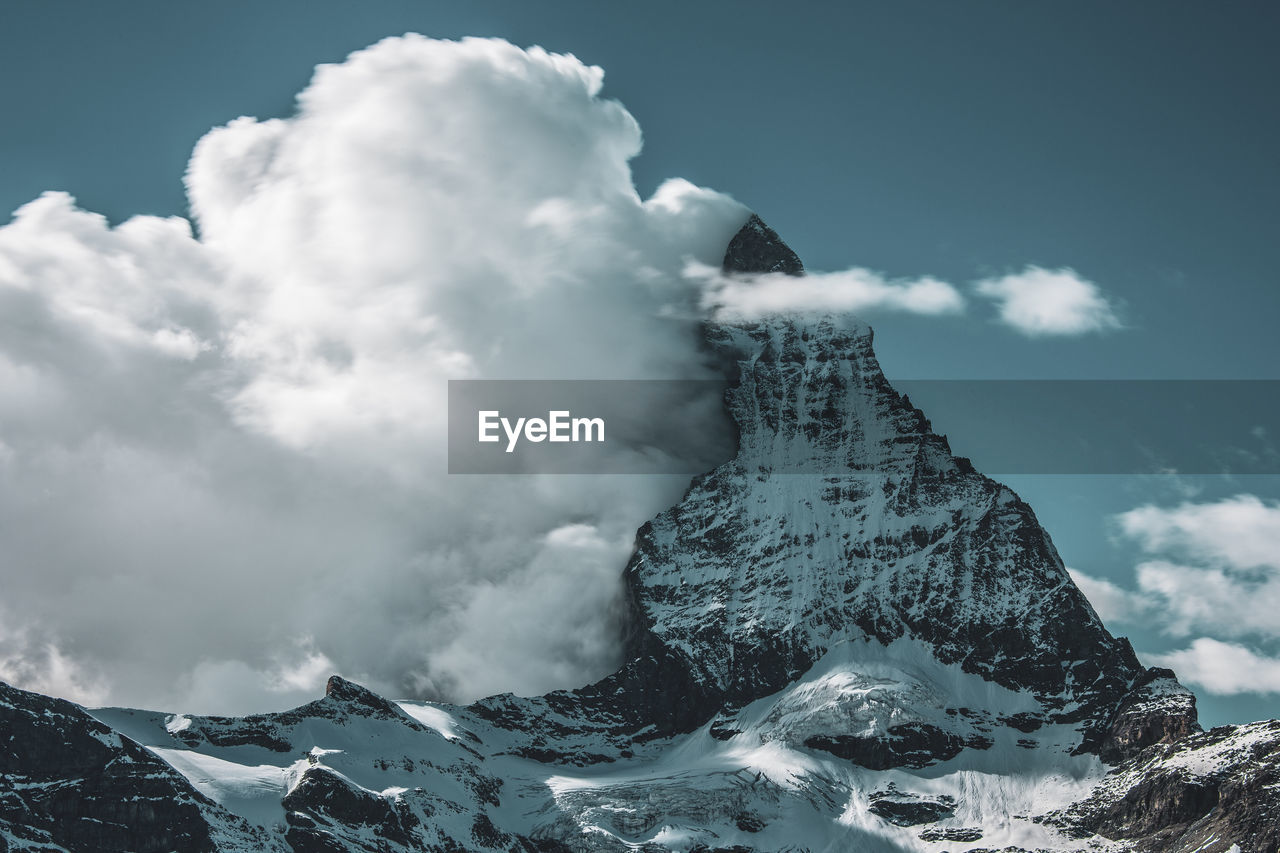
<point>1133,143</point>
<point>1130,142</point>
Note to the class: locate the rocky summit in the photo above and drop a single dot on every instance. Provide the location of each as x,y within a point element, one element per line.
<point>843,638</point>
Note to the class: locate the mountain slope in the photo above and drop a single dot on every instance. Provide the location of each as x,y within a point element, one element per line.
<point>843,516</point>
<point>68,782</point>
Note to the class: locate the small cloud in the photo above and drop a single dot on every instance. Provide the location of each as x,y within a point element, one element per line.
<point>1212,566</point>
<point>1240,532</point>
<point>1222,668</point>
<point>1212,570</point>
<point>752,296</point>
<point>1111,602</point>
<point>235,687</point>
<point>38,663</point>
<point>1038,302</point>
<point>1207,598</point>
<point>179,343</point>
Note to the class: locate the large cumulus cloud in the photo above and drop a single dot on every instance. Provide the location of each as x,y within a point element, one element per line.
<point>222,453</point>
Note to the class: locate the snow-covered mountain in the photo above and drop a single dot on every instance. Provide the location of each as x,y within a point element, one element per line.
<point>844,638</point>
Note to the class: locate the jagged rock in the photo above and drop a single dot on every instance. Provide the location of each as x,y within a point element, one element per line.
<point>962,834</point>
<point>906,745</point>
<point>757,248</point>
<point>1157,710</point>
<point>70,781</point>
<point>1026,723</point>
<point>1203,792</point>
<point>323,801</point>
<point>904,809</point>
<point>951,834</point>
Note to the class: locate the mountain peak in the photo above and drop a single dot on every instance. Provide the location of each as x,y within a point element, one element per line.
<point>757,248</point>
<point>339,688</point>
<point>357,699</point>
<point>844,518</point>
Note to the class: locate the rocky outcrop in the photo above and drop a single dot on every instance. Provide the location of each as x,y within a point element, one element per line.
<point>1156,710</point>
<point>903,809</point>
<point>322,808</point>
<point>343,700</point>
<point>905,745</point>
<point>1204,792</point>
<point>69,782</point>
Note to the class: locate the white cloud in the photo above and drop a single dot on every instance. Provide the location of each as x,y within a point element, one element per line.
<point>1213,568</point>
<point>40,665</point>
<point>215,445</point>
<point>1111,602</point>
<point>574,563</point>
<point>1223,668</point>
<point>282,680</point>
<point>1038,302</point>
<point>1240,532</point>
<point>752,296</point>
<point>1215,565</point>
<point>1205,598</point>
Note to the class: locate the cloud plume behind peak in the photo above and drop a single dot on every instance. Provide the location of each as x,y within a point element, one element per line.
<point>223,456</point>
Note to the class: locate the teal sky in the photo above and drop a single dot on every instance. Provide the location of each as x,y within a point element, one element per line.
<point>1134,142</point>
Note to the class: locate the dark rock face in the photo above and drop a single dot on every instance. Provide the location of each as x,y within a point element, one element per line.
<point>902,809</point>
<point>353,696</point>
<point>964,834</point>
<point>68,780</point>
<point>1157,710</point>
<point>1163,806</point>
<point>757,248</point>
<point>906,745</point>
<point>323,807</point>
<point>1202,792</point>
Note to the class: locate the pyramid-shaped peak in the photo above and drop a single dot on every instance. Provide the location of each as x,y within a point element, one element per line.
<point>757,248</point>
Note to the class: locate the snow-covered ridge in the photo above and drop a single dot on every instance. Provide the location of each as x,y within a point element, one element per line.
<point>844,516</point>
